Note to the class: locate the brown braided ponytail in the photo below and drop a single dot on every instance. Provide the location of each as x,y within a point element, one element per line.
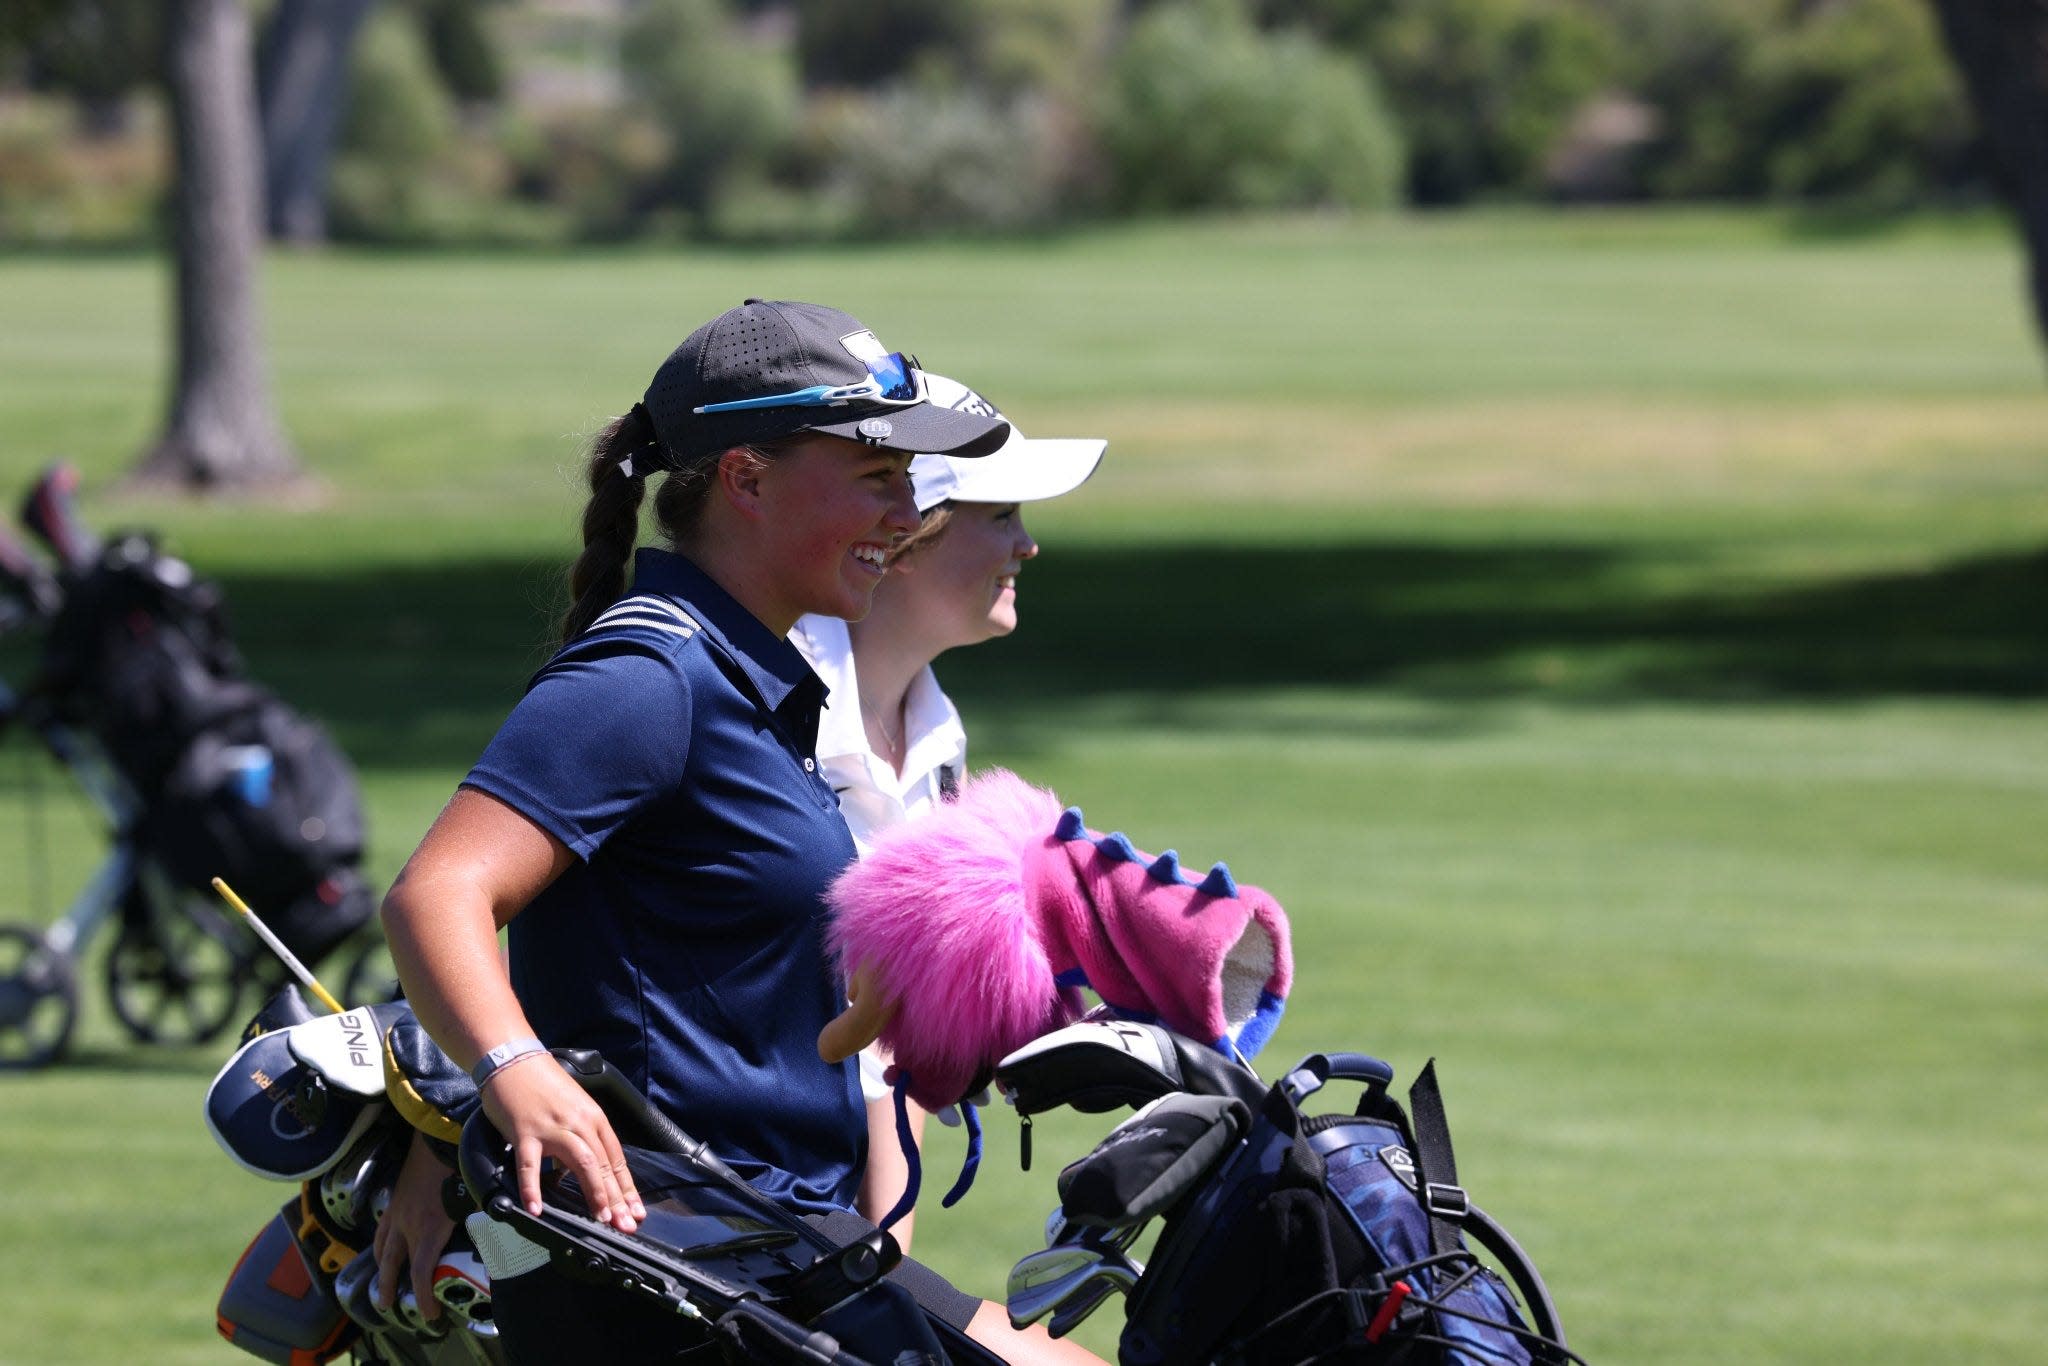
<point>611,519</point>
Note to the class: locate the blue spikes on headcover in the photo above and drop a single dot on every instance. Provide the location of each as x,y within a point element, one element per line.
<point>1166,868</point>
<point>1117,846</point>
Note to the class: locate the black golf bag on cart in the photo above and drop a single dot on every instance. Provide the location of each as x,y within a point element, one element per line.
<point>232,782</point>
<point>138,689</point>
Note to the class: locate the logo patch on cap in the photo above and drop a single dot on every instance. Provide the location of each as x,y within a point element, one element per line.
<point>876,429</point>
<point>863,346</point>
<point>971,402</point>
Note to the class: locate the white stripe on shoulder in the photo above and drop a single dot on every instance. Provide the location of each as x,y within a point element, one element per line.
<point>650,623</point>
<point>645,609</point>
<point>645,605</point>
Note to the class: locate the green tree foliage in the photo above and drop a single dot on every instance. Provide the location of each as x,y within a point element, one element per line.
<point>1205,111</point>
<point>730,108</point>
<point>913,160</point>
<point>1864,104</point>
<point>1482,88</point>
<point>1853,99</point>
<point>97,50</point>
<point>1055,48</point>
<point>877,41</point>
<point>400,124</point>
<point>464,53</point>
<point>1002,47</point>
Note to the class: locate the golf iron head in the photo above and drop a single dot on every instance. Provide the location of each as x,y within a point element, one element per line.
<point>1067,1283</point>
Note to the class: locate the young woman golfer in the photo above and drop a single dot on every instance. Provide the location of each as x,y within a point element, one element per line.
<point>891,741</point>
<point>650,821</point>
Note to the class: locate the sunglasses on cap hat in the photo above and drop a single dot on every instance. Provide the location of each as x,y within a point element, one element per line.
<point>892,379</point>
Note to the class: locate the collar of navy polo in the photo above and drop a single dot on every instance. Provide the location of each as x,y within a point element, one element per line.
<point>772,668</point>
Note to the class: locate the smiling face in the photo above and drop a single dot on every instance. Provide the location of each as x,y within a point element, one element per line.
<point>965,581</point>
<point>829,510</point>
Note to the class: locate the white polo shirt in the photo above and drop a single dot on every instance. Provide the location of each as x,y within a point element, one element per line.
<point>872,796</point>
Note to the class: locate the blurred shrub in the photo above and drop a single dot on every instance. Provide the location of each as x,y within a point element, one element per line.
<point>1863,103</point>
<point>1206,112</point>
<point>463,50</point>
<point>877,41</point>
<point>593,168</point>
<point>1854,99</point>
<point>1482,88</point>
<point>911,161</point>
<point>97,50</point>
<point>1053,48</point>
<point>728,107</point>
<point>1694,62</point>
<point>398,112</point>
<point>60,182</point>
<point>409,168</point>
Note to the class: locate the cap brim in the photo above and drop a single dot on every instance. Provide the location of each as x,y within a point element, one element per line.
<point>921,428</point>
<point>1026,470</point>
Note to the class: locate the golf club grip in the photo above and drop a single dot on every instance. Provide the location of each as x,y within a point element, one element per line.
<point>633,1117</point>
<point>481,1153</point>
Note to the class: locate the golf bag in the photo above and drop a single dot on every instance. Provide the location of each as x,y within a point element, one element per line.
<point>1287,1237</point>
<point>229,781</point>
<point>304,1100</point>
<point>332,1103</point>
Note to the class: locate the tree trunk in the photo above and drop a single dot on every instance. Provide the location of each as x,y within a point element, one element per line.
<point>302,88</point>
<point>2001,47</point>
<point>223,431</point>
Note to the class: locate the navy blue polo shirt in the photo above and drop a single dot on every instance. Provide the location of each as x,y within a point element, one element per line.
<point>669,747</point>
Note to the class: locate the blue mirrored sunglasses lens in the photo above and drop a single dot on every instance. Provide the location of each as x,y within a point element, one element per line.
<point>893,372</point>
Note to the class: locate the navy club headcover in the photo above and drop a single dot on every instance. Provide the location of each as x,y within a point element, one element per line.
<point>285,1118</point>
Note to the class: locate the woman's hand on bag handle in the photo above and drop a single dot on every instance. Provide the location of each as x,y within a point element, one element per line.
<point>542,1112</point>
<point>478,867</point>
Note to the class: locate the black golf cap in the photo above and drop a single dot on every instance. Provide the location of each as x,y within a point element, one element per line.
<point>768,347</point>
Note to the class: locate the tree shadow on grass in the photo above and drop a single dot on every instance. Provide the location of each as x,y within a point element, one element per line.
<point>415,666</point>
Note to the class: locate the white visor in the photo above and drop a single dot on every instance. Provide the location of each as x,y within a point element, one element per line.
<point>1021,470</point>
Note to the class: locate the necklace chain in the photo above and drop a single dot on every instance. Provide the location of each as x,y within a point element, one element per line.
<point>894,736</point>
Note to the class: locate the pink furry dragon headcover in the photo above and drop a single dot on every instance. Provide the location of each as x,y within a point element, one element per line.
<point>981,919</point>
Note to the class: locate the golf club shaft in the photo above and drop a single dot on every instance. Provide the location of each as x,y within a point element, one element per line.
<point>276,946</point>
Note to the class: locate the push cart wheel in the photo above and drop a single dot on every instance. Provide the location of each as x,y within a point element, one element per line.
<point>372,978</point>
<point>176,971</point>
<point>38,999</point>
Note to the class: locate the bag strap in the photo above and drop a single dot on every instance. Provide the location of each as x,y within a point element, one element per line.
<point>1436,1167</point>
<point>1535,1294</point>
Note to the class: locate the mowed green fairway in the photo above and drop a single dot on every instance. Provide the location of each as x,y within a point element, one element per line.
<point>1621,643</point>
